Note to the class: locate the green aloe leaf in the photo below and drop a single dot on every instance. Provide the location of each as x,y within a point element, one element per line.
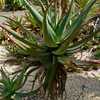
<point>5,79</point>
<point>51,17</point>
<point>34,50</point>
<point>3,74</point>
<point>34,12</point>
<point>6,84</point>
<point>63,23</point>
<point>97,54</point>
<point>20,44</point>
<point>15,34</point>
<point>79,44</point>
<point>73,31</point>
<point>49,34</point>
<point>31,37</point>
<point>81,3</point>
<point>17,97</point>
<point>17,84</point>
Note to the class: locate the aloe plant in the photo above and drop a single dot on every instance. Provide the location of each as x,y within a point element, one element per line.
<point>55,44</point>
<point>9,86</point>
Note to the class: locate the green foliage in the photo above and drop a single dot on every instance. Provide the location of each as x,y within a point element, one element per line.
<point>9,86</point>
<point>97,52</point>
<point>16,4</point>
<point>54,43</point>
<point>2,2</point>
<point>12,5</point>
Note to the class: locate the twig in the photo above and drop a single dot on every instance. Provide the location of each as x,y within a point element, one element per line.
<point>93,61</point>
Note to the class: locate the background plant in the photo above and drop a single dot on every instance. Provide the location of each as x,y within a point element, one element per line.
<point>2,3</point>
<point>12,5</point>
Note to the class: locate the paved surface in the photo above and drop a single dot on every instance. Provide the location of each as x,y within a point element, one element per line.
<point>83,87</point>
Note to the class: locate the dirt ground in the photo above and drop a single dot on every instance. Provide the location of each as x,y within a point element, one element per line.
<point>79,86</point>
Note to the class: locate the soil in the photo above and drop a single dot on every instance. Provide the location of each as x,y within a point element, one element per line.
<point>79,86</point>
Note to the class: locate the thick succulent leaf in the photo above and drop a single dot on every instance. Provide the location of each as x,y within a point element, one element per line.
<point>51,17</point>
<point>75,26</point>
<point>34,12</point>
<point>97,54</point>
<point>63,22</point>
<point>31,37</point>
<point>1,88</point>
<point>81,3</point>
<point>77,46</point>
<point>17,84</point>
<point>20,44</point>
<point>72,32</point>
<point>34,50</point>
<point>5,81</point>
<point>3,74</point>
<point>17,97</point>
<point>74,48</point>
<point>15,34</point>
<point>30,18</point>
<point>49,35</point>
